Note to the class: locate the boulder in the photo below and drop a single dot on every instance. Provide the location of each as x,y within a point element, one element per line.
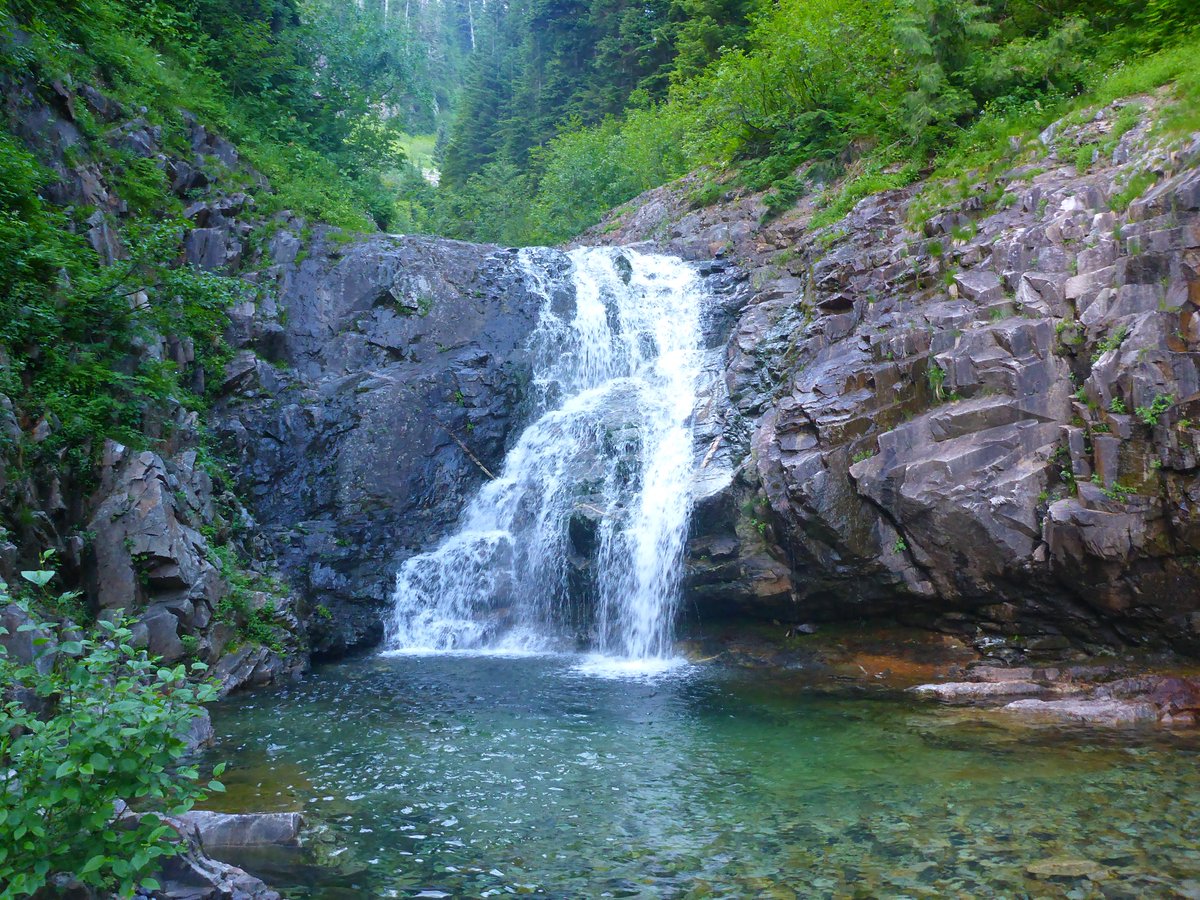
<point>218,831</point>
<point>1086,711</point>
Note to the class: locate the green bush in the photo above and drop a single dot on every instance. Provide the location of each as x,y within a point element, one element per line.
<point>114,731</point>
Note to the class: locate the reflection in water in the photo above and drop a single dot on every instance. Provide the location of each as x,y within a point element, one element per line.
<point>477,776</point>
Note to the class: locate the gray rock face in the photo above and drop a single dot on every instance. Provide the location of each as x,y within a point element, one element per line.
<point>219,831</point>
<point>978,418</point>
<point>369,398</point>
<point>149,560</point>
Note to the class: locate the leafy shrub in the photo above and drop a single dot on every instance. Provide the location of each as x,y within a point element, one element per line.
<point>1150,414</point>
<point>114,731</point>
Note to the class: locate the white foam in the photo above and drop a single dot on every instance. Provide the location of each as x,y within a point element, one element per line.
<point>611,439</point>
<point>599,665</point>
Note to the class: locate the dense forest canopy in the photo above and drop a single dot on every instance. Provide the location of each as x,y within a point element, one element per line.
<point>540,114</point>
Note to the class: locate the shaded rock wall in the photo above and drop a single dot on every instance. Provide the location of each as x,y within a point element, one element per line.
<point>984,422</point>
<point>370,397</point>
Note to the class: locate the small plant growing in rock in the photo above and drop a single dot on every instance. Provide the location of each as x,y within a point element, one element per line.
<point>1117,406</point>
<point>861,455</point>
<point>1084,157</point>
<point>937,379</point>
<point>1112,342</point>
<point>900,546</point>
<point>1151,414</point>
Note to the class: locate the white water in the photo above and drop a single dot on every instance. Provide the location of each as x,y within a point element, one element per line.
<point>610,444</point>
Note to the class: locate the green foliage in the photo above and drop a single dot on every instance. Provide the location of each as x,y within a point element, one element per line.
<point>872,181</point>
<point>113,729</point>
<point>72,327</point>
<point>236,607</point>
<point>1131,191</point>
<point>936,376</point>
<point>1111,342</point>
<point>1150,415</point>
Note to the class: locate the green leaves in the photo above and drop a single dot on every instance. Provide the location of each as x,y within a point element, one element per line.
<point>115,734</point>
<point>40,578</point>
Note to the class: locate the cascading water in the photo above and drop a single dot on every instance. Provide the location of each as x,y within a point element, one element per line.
<point>607,462</point>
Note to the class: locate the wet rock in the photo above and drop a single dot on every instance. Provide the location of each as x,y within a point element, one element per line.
<point>218,831</point>
<point>978,690</point>
<point>200,734</point>
<point>1087,712</point>
<point>404,363</point>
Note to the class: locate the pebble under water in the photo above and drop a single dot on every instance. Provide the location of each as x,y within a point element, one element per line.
<point>478,776</point>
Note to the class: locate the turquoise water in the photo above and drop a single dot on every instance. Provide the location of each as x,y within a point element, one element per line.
<point>483,776</point>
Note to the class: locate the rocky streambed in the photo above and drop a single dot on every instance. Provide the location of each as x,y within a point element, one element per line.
<point>474,775</point>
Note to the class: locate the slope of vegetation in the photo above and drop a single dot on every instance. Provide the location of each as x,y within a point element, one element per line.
<point>888,89</point>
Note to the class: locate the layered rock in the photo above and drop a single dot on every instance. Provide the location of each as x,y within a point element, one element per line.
<point>970,413</point>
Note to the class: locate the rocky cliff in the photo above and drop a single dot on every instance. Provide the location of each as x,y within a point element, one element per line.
<point>970,406</point>
<point>367,401</point>
<point>372,384</point>
<point>969,409</point>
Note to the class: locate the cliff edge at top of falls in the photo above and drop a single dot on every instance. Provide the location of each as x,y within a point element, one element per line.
<point>985,419</point>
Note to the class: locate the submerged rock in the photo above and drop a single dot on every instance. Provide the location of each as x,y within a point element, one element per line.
<point>1087,712</point>
<point>975,690</point>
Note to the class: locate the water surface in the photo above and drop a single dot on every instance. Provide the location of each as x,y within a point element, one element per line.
<point>476,776</point>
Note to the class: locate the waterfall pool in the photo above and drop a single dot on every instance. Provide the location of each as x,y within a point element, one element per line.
<point>475,776</point>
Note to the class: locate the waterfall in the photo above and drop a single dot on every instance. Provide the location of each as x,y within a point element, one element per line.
<point>580,537</point>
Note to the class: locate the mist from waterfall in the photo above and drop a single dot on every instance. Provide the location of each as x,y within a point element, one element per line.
<point>607,461</point>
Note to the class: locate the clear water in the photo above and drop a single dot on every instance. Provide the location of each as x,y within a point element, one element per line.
<point>609,451</point>
<point>474,776</point>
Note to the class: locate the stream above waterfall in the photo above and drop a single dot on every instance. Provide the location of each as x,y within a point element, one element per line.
<point>477,776</point>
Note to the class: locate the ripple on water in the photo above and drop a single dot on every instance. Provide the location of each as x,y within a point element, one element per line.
<point>477,776</point>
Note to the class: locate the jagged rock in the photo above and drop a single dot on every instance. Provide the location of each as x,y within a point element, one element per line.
<point>251,665</point>
<point>143,549</point>
<point>200,732</point>
<point>148,560</point>
<point>924,421</point>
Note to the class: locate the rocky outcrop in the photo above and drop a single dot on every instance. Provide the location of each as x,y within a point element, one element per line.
<point>1093,695</point>
<point>150,558</point>
<point>971,409</point>
<point>372,392</point>
<point>152,533</point>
